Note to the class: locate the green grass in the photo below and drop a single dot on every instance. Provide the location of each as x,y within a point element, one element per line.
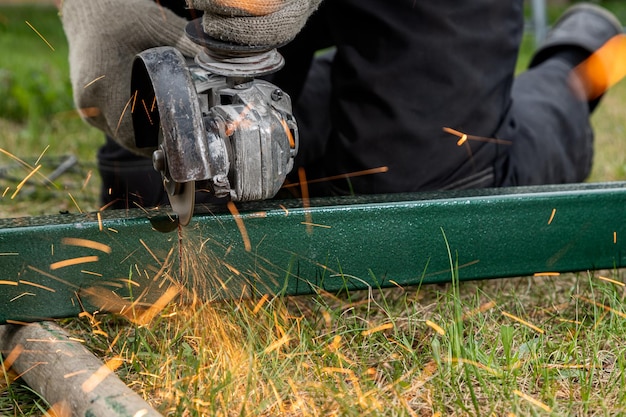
<point>456,349</point>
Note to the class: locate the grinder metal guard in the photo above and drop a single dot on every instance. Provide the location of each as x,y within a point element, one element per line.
<point>211,124</point>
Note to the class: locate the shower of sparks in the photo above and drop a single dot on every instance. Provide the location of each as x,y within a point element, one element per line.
<point>40,35</point>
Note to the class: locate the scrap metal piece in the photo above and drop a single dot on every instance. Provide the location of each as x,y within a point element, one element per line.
<point>69,377</point>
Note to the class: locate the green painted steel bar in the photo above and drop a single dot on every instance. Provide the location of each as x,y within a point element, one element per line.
<point>49,268</point>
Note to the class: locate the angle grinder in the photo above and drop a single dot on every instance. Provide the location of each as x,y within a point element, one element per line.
<point>211,122</point>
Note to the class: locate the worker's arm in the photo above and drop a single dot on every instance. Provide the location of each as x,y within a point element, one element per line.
<point>105,35</point>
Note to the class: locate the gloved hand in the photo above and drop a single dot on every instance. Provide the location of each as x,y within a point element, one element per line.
<point>104,36</point>
<point>254,22</point>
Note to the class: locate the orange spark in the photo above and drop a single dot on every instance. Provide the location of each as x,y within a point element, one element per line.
<point>602,306</point>
<point>292,141</point>
<point>85,243</point>
<point>524,322</point>
<point>87,112</point>
<point>532,400</point>
<point>21,184</point>
<point>473,363</point>
<point>259,305</point>
<point>145,107</point>
<point>119,121</point>
<point>24,294</point>
<point>75,202</point>
<point>40,35</point>
<point>150,252</point>
<point>91,273</point>
<point>552,216</point>
<point>101,374</point>
<point>242,227</point>
<point>323,226</point>
<point>158,306</point>
<point>277,344</point>
<point>436,327</point>
<point>546,274</point>
<point>73,261</point>
<point>481,309</point>
<point>377,329</point>
<point>60,409</point>
<point>306,201</point>
<point>612,281</point>
<point>614,237</point>
<point>464,137</point>
<point>32,284</point>
<point>371,171</point>
<point>17,159</point>
<point>86,180</point>
<point>95,80</point>
<point>42,154</point>
<point>13,355</point>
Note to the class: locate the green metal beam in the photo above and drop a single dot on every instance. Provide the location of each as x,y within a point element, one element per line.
<point>352,242</point>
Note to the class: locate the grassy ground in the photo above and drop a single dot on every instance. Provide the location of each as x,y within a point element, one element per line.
<point>527,346</point>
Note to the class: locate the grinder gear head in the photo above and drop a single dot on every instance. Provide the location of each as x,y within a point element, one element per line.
<point>211,124</point>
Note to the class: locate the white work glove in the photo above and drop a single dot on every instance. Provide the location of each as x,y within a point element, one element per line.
<point>104,36</point>
<point>254,22</point>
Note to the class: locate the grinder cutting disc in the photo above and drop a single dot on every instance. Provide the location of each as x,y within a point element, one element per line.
<point>183,201</point>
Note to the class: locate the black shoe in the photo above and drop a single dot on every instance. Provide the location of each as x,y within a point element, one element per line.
<point>579,32</point>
